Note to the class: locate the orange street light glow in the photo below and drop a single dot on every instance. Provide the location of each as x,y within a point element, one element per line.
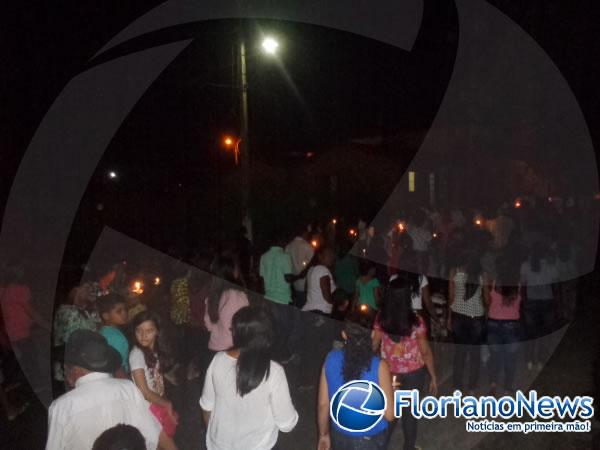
<point>434,235</point>
<point>228,141</point>
<point>334,221</point>
<point>364,308</point>
<point>518,204</point>
<point>478,222</point>
<point>314,243</point>
<point>156,281</point>
<point>352,232</point>
<point>401,227</point>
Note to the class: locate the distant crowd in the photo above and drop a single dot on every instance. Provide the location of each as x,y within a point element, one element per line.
<point>228,335</point>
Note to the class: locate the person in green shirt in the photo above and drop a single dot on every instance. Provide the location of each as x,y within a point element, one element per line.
<point>276,272</point>
<point>368,290</point>
<point>113,311</point>
<point>346,269</point>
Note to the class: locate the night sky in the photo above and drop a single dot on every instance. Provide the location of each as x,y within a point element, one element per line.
<point>326,87</point>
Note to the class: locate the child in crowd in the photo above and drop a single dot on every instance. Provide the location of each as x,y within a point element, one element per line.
<point>145,360</point>
<point>113,312</point>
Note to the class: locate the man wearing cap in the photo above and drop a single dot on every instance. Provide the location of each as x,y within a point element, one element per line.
<point>98,401</point>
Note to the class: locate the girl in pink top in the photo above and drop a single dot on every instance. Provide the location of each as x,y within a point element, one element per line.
<point>222,304</point>
<point>402,335</point>
<point>503,328</point>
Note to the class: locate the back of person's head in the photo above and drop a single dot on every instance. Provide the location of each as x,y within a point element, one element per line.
<point>120,437</point>
<point>326,256</point>
<point>507,281</point>
<point>358,353</point>
<point>407,279</point>
<point>252,332</point>
<point>471,264</point>
<point>397,316</point>
<point>107,303</point>
<point>365,267</point>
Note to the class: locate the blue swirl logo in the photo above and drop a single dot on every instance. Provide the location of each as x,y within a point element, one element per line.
<point>357,406</point>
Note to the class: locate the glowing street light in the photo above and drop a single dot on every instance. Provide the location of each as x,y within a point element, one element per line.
<point>270,45</point>
<point>518,204</point>
<point>112,174</point>
<point>314,243</point>
<point>234,143</point>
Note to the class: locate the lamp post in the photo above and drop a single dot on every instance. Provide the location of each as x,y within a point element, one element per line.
<point>270,46</point>
<point>235,143</point>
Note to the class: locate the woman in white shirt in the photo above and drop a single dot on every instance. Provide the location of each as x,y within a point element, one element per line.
<point>246,400</point>
<point>320,285</point>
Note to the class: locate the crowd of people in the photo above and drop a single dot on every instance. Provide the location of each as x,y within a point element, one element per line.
<point>326,305</point>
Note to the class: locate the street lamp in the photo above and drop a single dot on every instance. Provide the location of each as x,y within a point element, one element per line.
<point>235,144</point>
<point>270,46</point>
<point>112,174</point>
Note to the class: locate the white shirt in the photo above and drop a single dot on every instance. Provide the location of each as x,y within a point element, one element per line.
<point>314,295</point>
<point>539,284</point>
<point>97,403</point>
<point>417,302</point>
<point>301,253</point>
<point>420,238</point>
<point>251,422</point>
<point>154,378</point>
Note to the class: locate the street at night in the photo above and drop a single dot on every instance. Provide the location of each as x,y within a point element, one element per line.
<point>292,226</point>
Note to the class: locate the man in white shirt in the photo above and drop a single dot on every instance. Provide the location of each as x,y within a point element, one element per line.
<point>301,253</point>
<point>98,401</point>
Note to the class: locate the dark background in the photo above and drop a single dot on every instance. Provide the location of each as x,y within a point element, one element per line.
<point>177,186</point>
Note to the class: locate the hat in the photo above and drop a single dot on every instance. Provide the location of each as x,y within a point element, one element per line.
<point>90,350</point>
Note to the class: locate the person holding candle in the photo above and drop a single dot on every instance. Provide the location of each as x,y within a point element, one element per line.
<point>402,336</point>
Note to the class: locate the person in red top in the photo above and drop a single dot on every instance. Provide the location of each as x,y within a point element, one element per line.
<point>19,319</point>
<point>402,336</point>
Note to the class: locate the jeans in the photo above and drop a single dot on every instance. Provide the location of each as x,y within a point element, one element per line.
<point>538,319</point>
<point>408,381</point>
<point>468,335</point>
<point>299,298</point>
<point>341,441</point>
<point>503,339</point>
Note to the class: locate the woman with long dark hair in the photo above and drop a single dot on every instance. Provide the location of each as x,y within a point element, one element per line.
<point>246,399</point>
<point>503,327</point>
<point>402,335</point>
<point>222,303</point>
<point>467,288</point>
<point>355,361</point>
<point>146,361</point>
